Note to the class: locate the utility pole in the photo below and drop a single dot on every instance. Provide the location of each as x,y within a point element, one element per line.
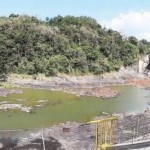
<point>43,140</point>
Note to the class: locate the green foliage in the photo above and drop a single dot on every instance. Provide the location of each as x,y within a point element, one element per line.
<point>70,45</point>
<point>59,63</point>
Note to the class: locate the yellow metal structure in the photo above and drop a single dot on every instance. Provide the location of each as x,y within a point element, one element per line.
<point>104,132</point>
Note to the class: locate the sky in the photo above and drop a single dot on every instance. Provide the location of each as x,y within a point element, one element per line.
<point>130,17</point>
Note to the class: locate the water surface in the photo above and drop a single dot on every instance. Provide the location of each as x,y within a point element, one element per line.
<point>70,107</point>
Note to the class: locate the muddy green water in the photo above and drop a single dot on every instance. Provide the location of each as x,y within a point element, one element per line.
<point>71,108</point>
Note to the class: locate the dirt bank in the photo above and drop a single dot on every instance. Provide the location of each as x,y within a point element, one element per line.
<point>63,81</point>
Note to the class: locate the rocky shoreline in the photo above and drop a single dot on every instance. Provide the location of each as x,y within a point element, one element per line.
<point>89,85</point>
<point>79,85</point>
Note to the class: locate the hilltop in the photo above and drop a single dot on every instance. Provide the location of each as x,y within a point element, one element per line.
<point>68,45</point>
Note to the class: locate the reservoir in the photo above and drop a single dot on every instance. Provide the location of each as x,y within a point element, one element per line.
<point>62,107</point>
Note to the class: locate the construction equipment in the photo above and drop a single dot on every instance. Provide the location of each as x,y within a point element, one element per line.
<point>104,132</point>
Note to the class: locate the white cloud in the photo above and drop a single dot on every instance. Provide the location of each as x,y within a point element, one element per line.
<point>132,23</point>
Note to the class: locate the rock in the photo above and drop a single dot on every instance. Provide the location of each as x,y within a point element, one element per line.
<point>42,101</point>
<point>26,109</point>
<point>10,106</point>
<point>15,106</point>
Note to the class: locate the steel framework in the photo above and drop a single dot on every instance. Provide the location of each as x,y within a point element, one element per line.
<point>104,132</point>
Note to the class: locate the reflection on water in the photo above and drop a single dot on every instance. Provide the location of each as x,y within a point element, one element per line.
<point>64,107</point>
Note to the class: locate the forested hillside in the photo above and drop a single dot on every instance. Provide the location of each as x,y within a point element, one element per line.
<point>70,45</point>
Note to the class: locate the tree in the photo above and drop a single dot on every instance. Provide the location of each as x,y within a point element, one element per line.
<point>70,45</point>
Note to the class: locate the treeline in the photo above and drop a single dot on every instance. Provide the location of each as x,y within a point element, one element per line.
<point>70,45</point>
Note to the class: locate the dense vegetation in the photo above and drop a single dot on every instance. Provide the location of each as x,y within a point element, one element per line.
<point>70,45</point>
